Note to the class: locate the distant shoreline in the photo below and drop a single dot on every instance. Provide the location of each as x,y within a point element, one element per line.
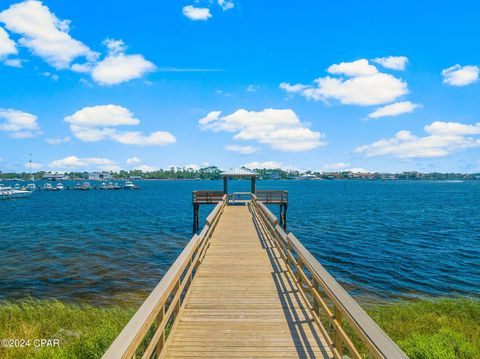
<point>215,173</point>
<point>264,179</point>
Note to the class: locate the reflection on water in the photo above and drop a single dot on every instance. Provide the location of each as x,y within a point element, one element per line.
<point>382,240</point>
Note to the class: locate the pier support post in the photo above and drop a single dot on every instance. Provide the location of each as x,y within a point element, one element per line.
<point>225,185</point>
<point>283,215</point>
<point>196,221</point>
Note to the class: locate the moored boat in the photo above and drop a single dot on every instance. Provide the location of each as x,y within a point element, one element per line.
<point>129,185</point>
<point>9,192</point>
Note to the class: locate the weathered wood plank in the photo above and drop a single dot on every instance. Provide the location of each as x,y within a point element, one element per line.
<point>243,303</point>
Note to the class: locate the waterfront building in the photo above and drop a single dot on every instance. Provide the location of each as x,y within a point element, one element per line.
<point>55,176</point>
<point>99,176</point>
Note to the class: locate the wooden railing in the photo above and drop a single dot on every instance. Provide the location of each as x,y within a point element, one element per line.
<point>214,196</point>
<point>332,308</point>
<point>239,197</point>
<point>272,196</point>
<point>207,197</point>
<point>145,334</point>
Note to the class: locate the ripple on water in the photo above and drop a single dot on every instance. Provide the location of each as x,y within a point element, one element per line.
<point>380,239</point>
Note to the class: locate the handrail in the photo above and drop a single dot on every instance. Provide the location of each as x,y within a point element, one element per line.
<point>207,196</point>
<point>317,285</point>
<point>162,305</point>
<point>272,196</point>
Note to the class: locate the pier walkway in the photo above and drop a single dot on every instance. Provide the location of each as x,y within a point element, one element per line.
<point>243,288</point>
<point>243,302</point>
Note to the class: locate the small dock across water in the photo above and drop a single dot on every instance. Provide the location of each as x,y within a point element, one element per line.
<point>244,288</point>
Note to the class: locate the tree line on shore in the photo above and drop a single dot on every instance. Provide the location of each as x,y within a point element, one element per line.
<point>214,173</point>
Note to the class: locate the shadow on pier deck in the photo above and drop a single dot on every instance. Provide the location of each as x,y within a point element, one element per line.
<point>243,288</point>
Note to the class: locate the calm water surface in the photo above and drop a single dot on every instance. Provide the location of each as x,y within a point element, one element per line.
<point>382,240</point>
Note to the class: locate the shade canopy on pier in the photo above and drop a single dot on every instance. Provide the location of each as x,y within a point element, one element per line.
<point>241,172</point>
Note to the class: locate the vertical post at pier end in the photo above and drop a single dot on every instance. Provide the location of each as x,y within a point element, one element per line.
<point>283,215</point>
<point>196,221</point>
<point>225,185</point>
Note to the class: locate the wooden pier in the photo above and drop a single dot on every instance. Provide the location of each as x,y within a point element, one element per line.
<point>244,288</point>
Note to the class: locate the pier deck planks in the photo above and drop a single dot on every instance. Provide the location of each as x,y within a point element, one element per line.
<point>243,303</point>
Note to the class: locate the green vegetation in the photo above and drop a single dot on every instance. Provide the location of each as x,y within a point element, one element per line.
<point>440,329</point>
<point>214,173</point>
<point>84,331</point>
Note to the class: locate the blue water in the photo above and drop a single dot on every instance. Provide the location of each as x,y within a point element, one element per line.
<point>381,240</point>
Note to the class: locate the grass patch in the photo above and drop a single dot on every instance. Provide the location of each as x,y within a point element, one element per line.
<point>84,331</point>
<point>437,329</point>
<point>440,329</point>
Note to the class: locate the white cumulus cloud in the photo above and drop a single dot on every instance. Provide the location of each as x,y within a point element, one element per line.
<point>398,63</point>
<point>244,150</point>
<point>460,75</point>
<point>134,161</point>
<point>196,13</point>
<point>99,123</point>
<point>33,165</point>
<point>117,67</point>
<point>360,84</point>
<point>57,141</point>
<point>280,129</point>
<point>7,45</point>
<point>271,165</point>
<point>226,4</point>
<point>86,163</point>
<point>355,68</point>
<point>138,165</point>
<point>442,139</point>
<point>293,88</point>
<point>358,170</point>
<point>19,124</point>
<point>146,168</point>
<point>13,62</point>
<point>335,166</point>
<point>44,34</point>
<point>394,109</point>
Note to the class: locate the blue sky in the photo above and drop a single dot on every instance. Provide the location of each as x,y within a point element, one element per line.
<point>381,86</point>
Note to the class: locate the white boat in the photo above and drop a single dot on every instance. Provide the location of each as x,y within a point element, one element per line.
<point>103,185</point>
<point>85,186</point>
<point>47,187</point>
<point>116,186</point>
<point>59,187</point>
<point>31,187</point>
<point>17,187</point>
<point>110,185</point>
<point>129,185</point>
<point>9,192</point>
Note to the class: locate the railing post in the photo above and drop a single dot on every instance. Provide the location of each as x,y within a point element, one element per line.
<point>316,305</point>
<point>299,268</point>
<point>336,336</point>
<point>161,341</point>
<point>177,305</point>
